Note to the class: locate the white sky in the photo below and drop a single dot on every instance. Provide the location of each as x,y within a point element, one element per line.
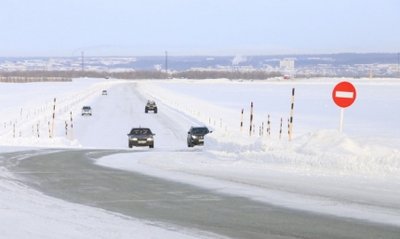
<point>197,27</point>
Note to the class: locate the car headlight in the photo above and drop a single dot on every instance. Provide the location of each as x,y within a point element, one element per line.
<point>149,139</point>
<point>134,139</point>
<point>194,137</point>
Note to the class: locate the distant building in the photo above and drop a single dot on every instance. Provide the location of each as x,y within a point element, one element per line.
<point>286,67</point>
<point>287,64</point>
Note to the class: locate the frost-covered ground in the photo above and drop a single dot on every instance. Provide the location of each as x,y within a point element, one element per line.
<point>355,174</point>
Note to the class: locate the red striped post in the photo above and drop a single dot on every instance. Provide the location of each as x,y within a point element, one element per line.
<point>280,130</point>
<point>48,124</point>
<point>291,117</point>
<point>269,126</point>
<point>37,130</point>
<point>262,129</point>
<point>251,118</point>
<point>54,116</point>
<point>72,126</point>
<point>241,121</point>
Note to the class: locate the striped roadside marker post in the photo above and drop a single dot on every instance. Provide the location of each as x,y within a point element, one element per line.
<point>251,118</point>
<point>280,129</point>
<point>291,117</point>
<point>241,121</point>
<point>71,126</point>
<point>54,116</point>
<point>48,124</point>
<point>269,126</point>
<point>262,129</point>
<point>37,130</point>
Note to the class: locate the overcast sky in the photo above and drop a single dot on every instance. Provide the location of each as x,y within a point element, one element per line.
<point>197,27</point>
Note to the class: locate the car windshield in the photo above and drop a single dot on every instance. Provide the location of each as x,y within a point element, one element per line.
<point>86,108</point>
<point>140,131</point>
<point>201,130</point>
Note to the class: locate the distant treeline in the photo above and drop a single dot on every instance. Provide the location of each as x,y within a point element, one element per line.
<point>192,74</point>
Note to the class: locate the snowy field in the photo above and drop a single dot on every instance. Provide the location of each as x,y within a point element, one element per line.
<point>354,174</point>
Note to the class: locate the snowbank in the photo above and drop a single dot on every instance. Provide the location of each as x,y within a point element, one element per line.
<point>316,147</point>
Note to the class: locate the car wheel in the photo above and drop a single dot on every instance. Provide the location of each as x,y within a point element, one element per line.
<point>145,111</point>
<point>130,146</point>
<point>151,146</point>
<point>155,112</point>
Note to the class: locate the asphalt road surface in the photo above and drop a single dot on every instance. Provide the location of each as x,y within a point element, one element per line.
<point>72,176</point>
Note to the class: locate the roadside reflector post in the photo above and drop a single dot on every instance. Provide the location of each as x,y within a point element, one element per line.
<point>280,130</point>
<point>344,94</point>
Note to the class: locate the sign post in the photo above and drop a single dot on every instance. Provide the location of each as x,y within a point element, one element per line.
<point>344,94</point>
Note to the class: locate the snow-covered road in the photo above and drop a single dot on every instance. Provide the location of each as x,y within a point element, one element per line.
<point>72,176</point>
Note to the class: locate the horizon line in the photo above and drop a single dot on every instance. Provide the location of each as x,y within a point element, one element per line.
<point>205,55</point>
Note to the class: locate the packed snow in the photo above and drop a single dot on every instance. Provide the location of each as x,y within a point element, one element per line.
<point>352,174</point>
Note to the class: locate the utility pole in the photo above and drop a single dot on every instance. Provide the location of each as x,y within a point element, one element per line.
<point>166,62</point>
<point>398,64</point>
<point>83,61</point>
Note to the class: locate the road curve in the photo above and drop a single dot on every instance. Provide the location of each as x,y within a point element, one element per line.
<point>72,176</point>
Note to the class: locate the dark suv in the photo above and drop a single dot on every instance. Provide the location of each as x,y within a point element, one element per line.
<point>141,137</point>
<point>150,106</point>
<point>196,135</point>
<point>86,110</point>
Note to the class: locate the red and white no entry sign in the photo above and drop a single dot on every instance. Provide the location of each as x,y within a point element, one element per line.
<point>344,94</point>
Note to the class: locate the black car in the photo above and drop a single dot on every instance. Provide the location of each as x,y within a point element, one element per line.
<point>141,137</point>
<point>196,135</point>
<point>86,110</point>
<point>150,106</point>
